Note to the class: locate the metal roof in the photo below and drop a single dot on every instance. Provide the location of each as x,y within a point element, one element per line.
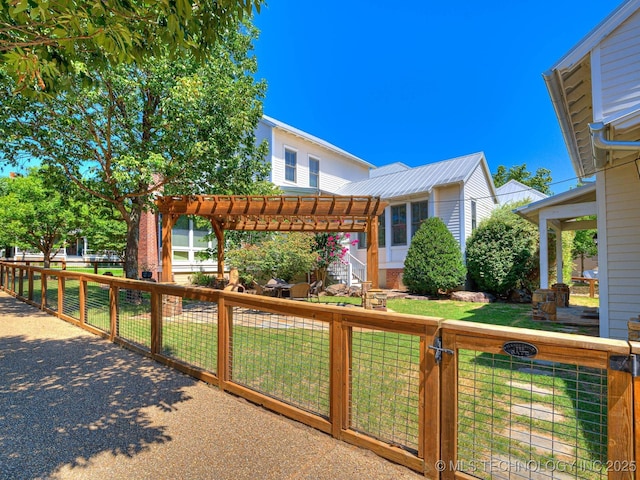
<point>272,122</point>
<point>582,194</point>
<point>514,191</point>
<point>419,179</point>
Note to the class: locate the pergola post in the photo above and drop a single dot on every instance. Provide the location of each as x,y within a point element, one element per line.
<point>372,252</point>
<point>168,221</point>
<point>219,231</point>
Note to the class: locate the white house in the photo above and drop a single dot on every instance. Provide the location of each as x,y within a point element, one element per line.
<point>514,191</point>
<point>460,191</point>
<point>595,90</point>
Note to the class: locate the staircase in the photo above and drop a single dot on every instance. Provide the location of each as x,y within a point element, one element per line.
<point>352,273</point>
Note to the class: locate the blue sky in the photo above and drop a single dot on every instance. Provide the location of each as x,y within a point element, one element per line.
<point>420,82</point>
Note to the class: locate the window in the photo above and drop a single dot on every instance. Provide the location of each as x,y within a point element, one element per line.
<point>382,230</point>
<point>290,161</point>
<point>419,213</point>
<point>399,225</point>
<point>362,240</point>
<point>314,172</point>
<point>362,237</point>
<point>474,218</point>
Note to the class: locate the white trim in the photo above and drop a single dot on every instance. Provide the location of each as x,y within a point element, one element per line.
<point>311,156</point>
<point>596,84</point>
<point>286,147</point>
<point>603,258</point>
<point>463,226</point>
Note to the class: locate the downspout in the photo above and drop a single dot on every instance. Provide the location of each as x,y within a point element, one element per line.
<point>602,146</point>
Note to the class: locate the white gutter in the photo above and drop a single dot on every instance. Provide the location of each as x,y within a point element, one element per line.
<point>601,146</point>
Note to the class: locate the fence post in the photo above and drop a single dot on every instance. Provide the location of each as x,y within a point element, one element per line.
<point>61,283</point>
<point>338,382</point>
<point>82,300</point>
<point>114,292</point>
<point>30,274</point>
<point>225,332</point>
<point>156,322</point>
<point>43,290</point>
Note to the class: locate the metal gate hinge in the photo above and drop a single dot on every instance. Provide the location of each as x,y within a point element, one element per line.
<point>438,348</point>
<point>625,363</point>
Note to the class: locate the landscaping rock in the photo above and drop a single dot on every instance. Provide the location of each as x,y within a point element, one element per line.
<point>337,290</point>
<point>476,297</point>
<point>520,296</point>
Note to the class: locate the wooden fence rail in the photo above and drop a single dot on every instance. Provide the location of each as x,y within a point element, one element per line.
<point>447,398</point>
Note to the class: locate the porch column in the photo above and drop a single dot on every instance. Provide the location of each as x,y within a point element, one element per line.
<point>559,260</point>
<point>219,231</point>
<point>168,221</point>
<point>372,252</point>
<point>544,254</point>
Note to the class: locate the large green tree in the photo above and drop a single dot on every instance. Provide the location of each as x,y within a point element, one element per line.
<point>41,39</point>
<point>541,180</point>
<point>37,215</point>
<point>176,126</point>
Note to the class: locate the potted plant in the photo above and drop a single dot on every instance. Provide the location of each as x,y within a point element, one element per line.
<point>146,271</point>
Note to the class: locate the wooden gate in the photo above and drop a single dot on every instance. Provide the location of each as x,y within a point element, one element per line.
<point>520,404</point>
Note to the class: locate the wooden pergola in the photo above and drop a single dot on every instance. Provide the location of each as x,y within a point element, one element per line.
<point>276,213</point>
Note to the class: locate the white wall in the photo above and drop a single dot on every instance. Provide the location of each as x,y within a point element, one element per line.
<point>478,190</point>
<point>616,70</point>
<point>622,244</point>
<point>335,169</point>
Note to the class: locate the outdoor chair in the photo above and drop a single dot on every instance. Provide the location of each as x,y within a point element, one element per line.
<point>299,290</point>
<point>314,290</point>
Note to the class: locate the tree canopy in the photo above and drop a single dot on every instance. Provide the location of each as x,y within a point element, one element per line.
<point>37,215</point>
<point>41,39</point>
<point>541,180</point>
<point>177,126</point>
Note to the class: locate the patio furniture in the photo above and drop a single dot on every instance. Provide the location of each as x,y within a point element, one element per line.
<point>314,290</point>
<point>299,290</point>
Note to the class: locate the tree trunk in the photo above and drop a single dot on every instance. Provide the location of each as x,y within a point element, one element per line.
<point>133,237</point>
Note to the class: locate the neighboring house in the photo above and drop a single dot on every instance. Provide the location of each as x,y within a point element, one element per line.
<point>460,191</point>
<point>514,191</point>
<point>595,90</point>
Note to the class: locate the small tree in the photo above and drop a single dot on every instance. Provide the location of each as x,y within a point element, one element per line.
<point>36,216</point>
<point>330,248</point>
<point>287,256</point>
<point>434,261</point>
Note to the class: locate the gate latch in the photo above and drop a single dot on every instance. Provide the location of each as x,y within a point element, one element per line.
<point>438,348</point>
<point>625,363</point>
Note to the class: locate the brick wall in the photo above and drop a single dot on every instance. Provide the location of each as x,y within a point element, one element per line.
<point>148,244</point>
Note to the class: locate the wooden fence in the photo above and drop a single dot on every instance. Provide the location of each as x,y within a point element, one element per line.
<point>450,399</point>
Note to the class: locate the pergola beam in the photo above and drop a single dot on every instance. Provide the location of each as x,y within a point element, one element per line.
<point>277,213</point>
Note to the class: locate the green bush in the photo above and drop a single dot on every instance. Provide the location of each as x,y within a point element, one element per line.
<point>502,253</point>
<point>434,261</point>
<point>286,256</point>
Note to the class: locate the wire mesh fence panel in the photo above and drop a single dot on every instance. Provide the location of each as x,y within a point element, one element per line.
<point>522,418</point>
<point>134,317</point>
<point>97,306</point>
<point>71,305</point>
<point>282,356</point>
<point>51,294</point>
<point>384,386</point>
<point>190,331</point>
<point>37,288</point>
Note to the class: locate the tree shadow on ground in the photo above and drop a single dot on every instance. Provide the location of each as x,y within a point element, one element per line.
<point>63,402</point>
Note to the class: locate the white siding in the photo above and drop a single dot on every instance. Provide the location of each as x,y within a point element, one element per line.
<point>447,208</point>
<point>335,170</point>
<point>620,68</point>
<point>623,247</point>
<point>477,189</point>
<point>263,132</point>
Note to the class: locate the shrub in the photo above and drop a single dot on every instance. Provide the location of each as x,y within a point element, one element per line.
<point>434,261</point>
<point>502,253</point>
